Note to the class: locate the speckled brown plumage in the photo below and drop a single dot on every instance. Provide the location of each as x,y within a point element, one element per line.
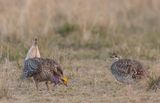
<point>128,71</point>
<point>43,70</point>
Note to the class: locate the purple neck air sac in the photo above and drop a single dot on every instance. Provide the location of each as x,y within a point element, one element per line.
<point>56,80</point>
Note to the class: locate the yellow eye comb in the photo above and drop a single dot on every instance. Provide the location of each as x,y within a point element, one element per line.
<point>65,80</point>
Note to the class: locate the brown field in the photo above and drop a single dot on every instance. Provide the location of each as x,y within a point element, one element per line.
<point>80,35</point>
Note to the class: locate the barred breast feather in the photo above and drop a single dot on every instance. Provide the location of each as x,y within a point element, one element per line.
<point>43,67</point>
<point>31,67</point>
<point>127,71</point>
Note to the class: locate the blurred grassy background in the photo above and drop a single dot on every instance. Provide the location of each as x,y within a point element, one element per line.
<point>80,34</point>
<point>128,27</point>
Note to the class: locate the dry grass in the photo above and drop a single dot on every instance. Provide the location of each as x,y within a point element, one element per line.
<point>90,81</point>
<point>4,81</point>
<point>80,35</point>
<point>153,83</point>
<point>78,24</point>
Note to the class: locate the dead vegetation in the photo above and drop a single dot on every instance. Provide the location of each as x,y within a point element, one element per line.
<point>80,35</point>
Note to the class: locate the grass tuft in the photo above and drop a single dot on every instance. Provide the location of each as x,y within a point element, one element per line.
<point>4,84</point>
<point>65,29</point>
<point>153,83</point>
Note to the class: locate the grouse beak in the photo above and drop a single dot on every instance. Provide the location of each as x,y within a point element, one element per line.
<point>64,80</point>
